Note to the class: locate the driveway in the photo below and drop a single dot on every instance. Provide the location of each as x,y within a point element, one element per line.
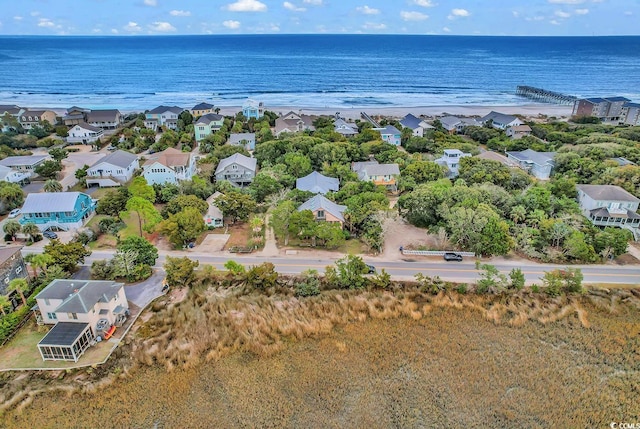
<point>144,292</point>
<point>33,187</point>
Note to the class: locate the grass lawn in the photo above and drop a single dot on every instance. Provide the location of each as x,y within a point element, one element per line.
<point>352,247</point>
<point>132,228</point>
<point>22,351</point>
<point>240,235</point>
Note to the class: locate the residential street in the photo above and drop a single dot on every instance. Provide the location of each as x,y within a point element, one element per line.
<point>454,271</point>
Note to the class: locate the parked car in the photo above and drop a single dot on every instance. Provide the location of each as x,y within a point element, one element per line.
<point>14,213</point>
<point>111,148</point>
<point>452,256</point>
<point>50,235</point>
<point>371,269</point>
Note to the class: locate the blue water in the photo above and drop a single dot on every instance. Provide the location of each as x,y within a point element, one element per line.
<point>310,70</point>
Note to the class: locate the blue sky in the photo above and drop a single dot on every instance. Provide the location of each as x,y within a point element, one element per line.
<point>469,17</point>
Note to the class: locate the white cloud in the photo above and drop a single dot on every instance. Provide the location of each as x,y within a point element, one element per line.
<point>231,24</point>
<point>582,11</point>
<point>367,10</point>
<point>374,26</point>
<point>293,7</point>
<point>274,27</point>
<point>114,31</point>
<point>17,18</point>
<point>446,29</point>
<point>46,23</point>
<point>313,2</point>
<point>424,3</point>
<point>132,27</point>
<point>35,13</point>
<point>96,31</point>
<point>535,18</point>
<point>628,13</point>
<point>515,13</point>
<point>562,14</point>
<point>459,13</point>
<point>413,16</point>
<point>180,13</point>
<point>162,27</point>
<point>151,2</point>
<point>554,22</point>
<point>246,6</point>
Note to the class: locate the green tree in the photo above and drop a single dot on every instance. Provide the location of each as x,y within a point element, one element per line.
<point>21,286</point>
<point>31,230</point>
<point>52,185</point>
<point>262,276</point>
<point>197,186</point>
<point>140,188</point>
<point>180,271</point>
<point>113,202</point>
<point>330,234</point>
<point>280,218</point>
<point>423,171</point>
<point>309,284</point>
<point>517,278</point>
<point>147,253</point>
<point>58,154</point>
<point>81,175</point>
<point>552,282</point>
<point>181,202</point>
<point>303,225</point>
<point>11,196</point>
<point>38,261</point>
<point>348,273</point>
<point>263,185</point>
<point>491,279</point>
<point>68,255</point>
<point>148,216</point>
<point>48,169</point>
<point>62,131</point>
<point>234,267</point>
<point>4,303</point>
<point>236,205</point>
<point>38,132</point>
<point>183,227</point>
<point>11,228</point>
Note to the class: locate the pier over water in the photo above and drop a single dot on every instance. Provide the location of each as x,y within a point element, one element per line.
<point>544,96</point>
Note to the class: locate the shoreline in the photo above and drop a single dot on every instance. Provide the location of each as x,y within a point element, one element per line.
<point>532,110</point>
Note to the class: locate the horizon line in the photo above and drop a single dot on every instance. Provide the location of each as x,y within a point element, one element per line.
<point>319,34</point>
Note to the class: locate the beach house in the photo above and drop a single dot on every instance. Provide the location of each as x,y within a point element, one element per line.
<point>201,109</point>
<point>347,129</point>
<point>456,125</point>
<point>207,125</point>
<point>30,118</point>
<point>538,164</point>
<point>80,310</point>
<point>317,183</point>
<point>631,114</point>
<point>292,123</point>
<point>380,174</point>
<point>500,121</point>
<point>108,119</point>
<point>75,115</point>
<point>9,114</point>
<point>114,169</point>
<point>609,109</point>
<point>213,218</point>
<point>84,133</point>
<point>163,116</point>
<point>169,166</point>
<point>57,210</point>
<point>10,175</point>
<point>247,140</point>
<point>416,125</point>
<point>518,131</point>
<point>12,266</point>
<point>451,160</point>
<point>324,210</point>
<point>24,163</point>
<point>390,134</point>
<point>238,169</point>
<point>609,205</point>
<point>253,109</point>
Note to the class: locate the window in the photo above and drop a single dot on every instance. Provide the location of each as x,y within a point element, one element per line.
<point>321,214</point>
<point>47,302</point>
<point>73,316</point>
<point>52,316</point>
<point>18,270</point>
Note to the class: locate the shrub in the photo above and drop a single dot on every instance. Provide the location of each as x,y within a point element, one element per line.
<point>262,276</point>
<point>309,284</point>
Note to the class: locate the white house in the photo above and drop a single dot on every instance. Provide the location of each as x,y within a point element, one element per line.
<point>248,140</point>
<point>253,109</point>
<point>390,134</point>
<point>416,125</point>
<point>213,218</point>
<point>13,176</point>
<point>237,169</point>
<point>114,169</point>
<point>451,160</point>
<point>610,205</point>
<point>169,166</point>
<point>456,125</point>
<point>81,311</point>
<point>501,121</point>
<point>84,133</point>
<point>166,116</point>
<point>345,128</point>
<point>24,163</point>
<point>293,123</point>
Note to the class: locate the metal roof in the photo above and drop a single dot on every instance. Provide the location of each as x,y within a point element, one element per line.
<point>51,202</point>
<point>63,334</point>
<point>389,129</point>
<point>616,99</point>
<point>321,203</point>
<point>236,138</point>
<point>317,183</point>
<point>530,155</point>
<point>382,170</point>
<point>499,118</point>
<point>237,158</point>
<point>10,161</point>
<point>80,296</point>
<point>109,115</point>
<point>119,158</point>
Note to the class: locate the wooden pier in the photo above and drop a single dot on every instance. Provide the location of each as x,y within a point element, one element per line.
<point>544,96</point>
<point>369,119</point>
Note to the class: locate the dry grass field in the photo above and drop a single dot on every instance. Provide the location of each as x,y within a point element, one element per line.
<point>370,359</point>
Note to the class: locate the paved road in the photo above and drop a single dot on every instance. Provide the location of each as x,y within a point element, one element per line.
<point>454,271</point>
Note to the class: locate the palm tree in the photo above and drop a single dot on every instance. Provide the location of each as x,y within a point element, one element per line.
<point>38,260</point>
<point>20,286</point>
<point>12,227</point>
<point>31,230</point>
<point>52,185</point>
<point>4,302</point>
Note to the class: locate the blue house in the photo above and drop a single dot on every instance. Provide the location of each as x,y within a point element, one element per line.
<point>57,210</point>
<point>390,134</point>
<point>253,109</point>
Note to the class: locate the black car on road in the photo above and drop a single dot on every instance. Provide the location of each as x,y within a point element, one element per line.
<point>452,256</point>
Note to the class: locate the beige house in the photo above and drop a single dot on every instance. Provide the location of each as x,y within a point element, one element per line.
<point>518,131</point>
<point>31,118</point>
<point>81,310</point>
<point>324,210</point>
<point>293,123</point>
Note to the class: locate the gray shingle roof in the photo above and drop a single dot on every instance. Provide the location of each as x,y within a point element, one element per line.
<point>361,165</point>
<point>317,183</point>
<point>79,296</point>
<point>607,193</point>
<point>382,170</point>
<point>109,115</point>
<point>208,118</point>
<point>389,129</point>
<point>530,155</point>
<point>499,118</point>
<point>202,106</point>
<point>239,159</point>
<point>615,99</point>
<point>7,252</point>
<point>10,161</point>
<point>119,158</point>
<point>410,121</point>
<point>51,202</point>
<point>162,109</point>
<point>87,127</point>
<point>321,203</point>
<point>236,138</point>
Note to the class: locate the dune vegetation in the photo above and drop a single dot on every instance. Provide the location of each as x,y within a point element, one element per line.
<point>228,355</point>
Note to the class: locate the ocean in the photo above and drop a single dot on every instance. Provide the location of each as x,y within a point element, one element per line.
<point>315,71</point>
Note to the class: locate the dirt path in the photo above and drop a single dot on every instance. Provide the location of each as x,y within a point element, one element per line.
<point>270,247</point>
<point>400,233</point>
